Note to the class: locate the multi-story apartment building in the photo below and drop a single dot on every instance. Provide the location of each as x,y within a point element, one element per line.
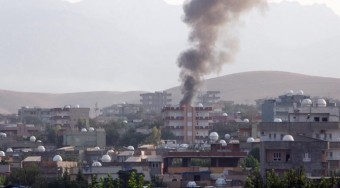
<point>294,152</point>
<point>19,129</point>
<point>84,138</point>
<point>34,115</point>
<point>68,116</point>
<point>154,102</point>
<point>321,140</point>
<point>189,124</point>
<point>285,105</point>
<point>279,107</point>
<point>317,111</point>
<point>208,98</point>
<point>120,110</point>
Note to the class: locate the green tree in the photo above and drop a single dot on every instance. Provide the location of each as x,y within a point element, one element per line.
<point>110,182</point>
<point>131,179</point>
<point>51,135</point>
<point>94,183</point>
<point>2,180</point>
<point>272,180</point>
<point>27,176</point>
<point>167,134</point>
<point>250,162</point>
<point>131,137</point>
<point>154,137</point>
<point>255,152</point>
<point>254,180</point>
<point>81,180</point>
<point>81,123</point>
<point>112,134</point>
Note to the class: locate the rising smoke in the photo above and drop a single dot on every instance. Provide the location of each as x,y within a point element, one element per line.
<point>207,18</point>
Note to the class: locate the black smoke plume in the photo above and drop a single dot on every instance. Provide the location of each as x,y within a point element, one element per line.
<point>208,19</point>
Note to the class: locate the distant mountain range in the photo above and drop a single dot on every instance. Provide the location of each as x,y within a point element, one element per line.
<point>241,88</point>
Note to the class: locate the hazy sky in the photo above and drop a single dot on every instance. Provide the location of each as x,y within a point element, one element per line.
<point>333,4</point>
<point>90,46</point>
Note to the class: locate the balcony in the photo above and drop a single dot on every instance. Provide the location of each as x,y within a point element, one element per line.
<point>203,108</point>
<point>334,145</point>
<point>174,118</point>
<point>172,109</point>
<point>201,137</point>
<point>203,118</point>
<point>203,127</point>
<point>175,127</point>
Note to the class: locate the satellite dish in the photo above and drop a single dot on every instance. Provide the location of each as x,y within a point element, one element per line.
<point>213,137</point>
<point>33,139</point>
<point>227,136</point>
<point>57,158</point>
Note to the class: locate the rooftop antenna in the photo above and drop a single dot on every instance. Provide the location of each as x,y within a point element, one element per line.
<point>96,109</point>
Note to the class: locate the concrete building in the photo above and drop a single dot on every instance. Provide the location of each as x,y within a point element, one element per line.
<point>86,138</point>
<point>49,169</point>
<point>318,134</point>
<point>120,110</point>
<point>154,102</point>
<point>220,161</point>
<point>34,115</point>
<point>287,106</point>
<point>279,107</point>
<point>19,130</point>
<point>189,124</point>
<point>68,116</point>
<point>208,98</point>
<point>317,111</point>
<point>294,152</point>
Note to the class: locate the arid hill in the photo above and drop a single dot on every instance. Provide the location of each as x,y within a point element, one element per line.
<point>241,88</point>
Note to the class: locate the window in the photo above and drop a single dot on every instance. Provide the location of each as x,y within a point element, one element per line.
<point>324,119</point>
<point>330,136</point>
<point>331,154</point>
<point>277,156</point>
<point>270,136</point>
<point>306,156</point>
<point>274,135</point>
<point>316,119</point>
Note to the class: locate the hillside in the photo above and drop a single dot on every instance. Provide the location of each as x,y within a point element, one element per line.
<point>11,101</point>
<point>249,86</point>
<point>241,87</point>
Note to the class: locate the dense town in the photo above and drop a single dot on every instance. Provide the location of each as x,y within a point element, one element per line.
<point>155,143</point>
